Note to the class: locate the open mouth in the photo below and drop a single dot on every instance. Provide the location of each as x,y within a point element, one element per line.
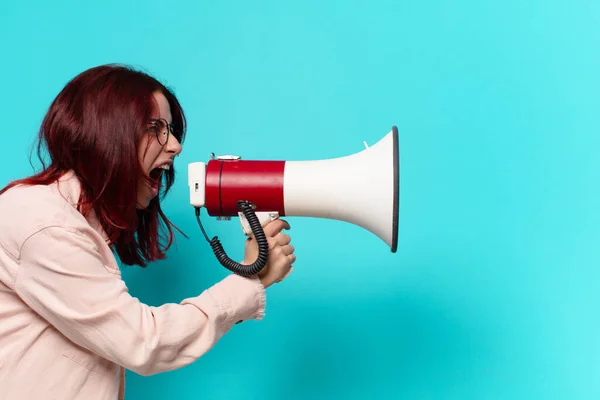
<point>156,174</point>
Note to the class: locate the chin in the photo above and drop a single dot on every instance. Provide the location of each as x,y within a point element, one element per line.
<point>143,203</point>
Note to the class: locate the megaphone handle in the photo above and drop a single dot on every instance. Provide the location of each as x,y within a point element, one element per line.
<point>259,235</point>
<point>264,218</point>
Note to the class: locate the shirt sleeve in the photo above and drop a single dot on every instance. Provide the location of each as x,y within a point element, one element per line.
<point>62,277</point>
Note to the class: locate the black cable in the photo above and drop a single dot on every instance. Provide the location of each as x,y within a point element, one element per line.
<point>263,245</point>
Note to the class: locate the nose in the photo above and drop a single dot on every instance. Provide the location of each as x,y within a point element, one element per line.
<point>173,146</point>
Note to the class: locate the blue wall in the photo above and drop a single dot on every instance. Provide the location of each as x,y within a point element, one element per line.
<point>495,289</point>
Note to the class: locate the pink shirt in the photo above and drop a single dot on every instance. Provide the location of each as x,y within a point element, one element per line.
<point>67,321</point>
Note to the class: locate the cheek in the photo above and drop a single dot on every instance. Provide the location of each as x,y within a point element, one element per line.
<point>142,150</point>
<point>148,152</point>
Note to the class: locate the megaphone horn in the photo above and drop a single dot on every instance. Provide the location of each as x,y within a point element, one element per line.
<point>362,189</point>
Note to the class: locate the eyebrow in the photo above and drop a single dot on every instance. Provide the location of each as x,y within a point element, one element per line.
<point>158,119</point>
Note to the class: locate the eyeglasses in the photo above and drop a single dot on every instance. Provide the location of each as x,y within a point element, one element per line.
<point>161,129</point>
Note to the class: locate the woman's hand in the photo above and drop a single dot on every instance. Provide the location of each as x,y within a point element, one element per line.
<point>281,253</point>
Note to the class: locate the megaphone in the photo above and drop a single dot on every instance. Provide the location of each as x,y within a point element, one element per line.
<point>362,189</point>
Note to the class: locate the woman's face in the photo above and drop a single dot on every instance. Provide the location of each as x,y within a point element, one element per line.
<point>156,154</point>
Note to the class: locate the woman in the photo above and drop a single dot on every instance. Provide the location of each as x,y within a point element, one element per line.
<point>68,327</point>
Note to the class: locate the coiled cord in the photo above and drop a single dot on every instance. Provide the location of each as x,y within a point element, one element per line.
<point>263,245</point>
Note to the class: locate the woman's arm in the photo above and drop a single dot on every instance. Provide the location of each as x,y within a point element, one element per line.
<point>62,277</point>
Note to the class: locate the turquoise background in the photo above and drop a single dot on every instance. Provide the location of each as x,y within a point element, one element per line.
<point>494,291</point>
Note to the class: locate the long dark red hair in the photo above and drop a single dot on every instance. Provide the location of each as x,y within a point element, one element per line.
<point>93,128</point>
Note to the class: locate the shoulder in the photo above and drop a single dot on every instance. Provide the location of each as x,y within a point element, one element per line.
<point>26,210</point>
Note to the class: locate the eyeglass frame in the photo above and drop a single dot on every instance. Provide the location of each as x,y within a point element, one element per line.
<point>169,128</point>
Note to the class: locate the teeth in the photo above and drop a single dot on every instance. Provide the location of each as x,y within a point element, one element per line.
<point>165,167</point>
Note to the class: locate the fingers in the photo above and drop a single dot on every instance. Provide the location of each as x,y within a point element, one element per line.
<point>281,252</point>
<point>289,258</point>
<point>282,239</point>
<point>275,227</point>
<point>287,249</point>
<point>283,258</point>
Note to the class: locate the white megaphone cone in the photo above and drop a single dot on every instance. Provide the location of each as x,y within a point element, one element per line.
<point>362,189</point>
